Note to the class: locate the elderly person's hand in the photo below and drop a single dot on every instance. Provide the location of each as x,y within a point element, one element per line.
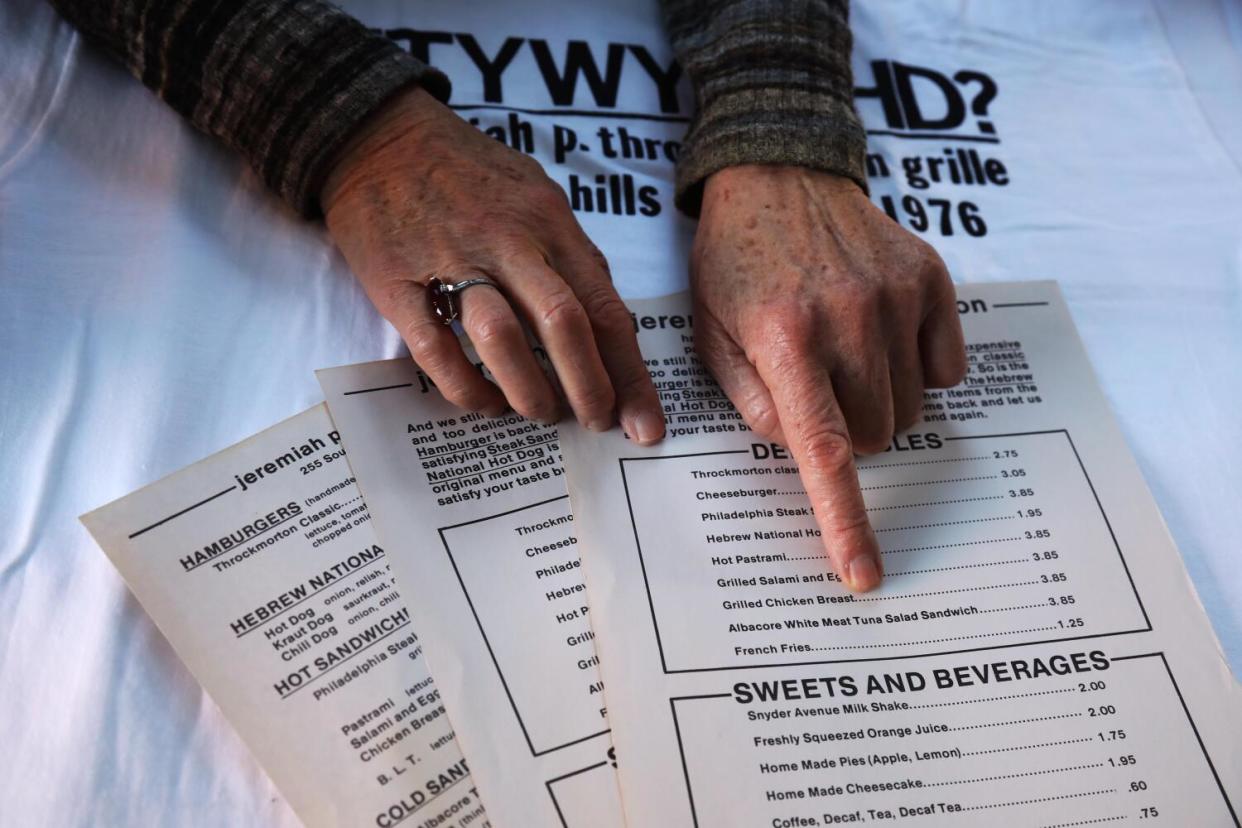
<point>823,321</point>
<point>419,193</point>
<point>821,318</point>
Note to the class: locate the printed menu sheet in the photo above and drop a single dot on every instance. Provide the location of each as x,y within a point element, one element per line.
<point>1036,654</point>
<point>261,567</point>
<point>475,513</point>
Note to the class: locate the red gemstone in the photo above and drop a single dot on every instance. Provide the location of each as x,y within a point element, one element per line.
<point>441,301</point>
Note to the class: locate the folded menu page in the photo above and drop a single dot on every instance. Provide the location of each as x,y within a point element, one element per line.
<point>476,518</point>
<point>260,566</point>
<point>1036,654</point>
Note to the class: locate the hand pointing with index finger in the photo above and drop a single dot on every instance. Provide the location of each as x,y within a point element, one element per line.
<point>823,321</point>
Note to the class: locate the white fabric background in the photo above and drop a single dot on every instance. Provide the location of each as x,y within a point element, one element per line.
<point>157,305</point>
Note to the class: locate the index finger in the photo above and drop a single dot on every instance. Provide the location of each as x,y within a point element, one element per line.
<point>638,405</point>
<point>819,440</point>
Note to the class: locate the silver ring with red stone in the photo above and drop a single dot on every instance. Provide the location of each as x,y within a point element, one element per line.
<point>441,296</point>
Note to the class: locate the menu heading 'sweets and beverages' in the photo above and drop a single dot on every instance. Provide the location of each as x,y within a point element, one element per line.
<point>477,518</point>
<point>1036,651</point>
<point>260,566</point>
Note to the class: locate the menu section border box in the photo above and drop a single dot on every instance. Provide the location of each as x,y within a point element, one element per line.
<point>685,767</point>
<point>534,751</point>
<point>674,671</point>
<point>551,783</point>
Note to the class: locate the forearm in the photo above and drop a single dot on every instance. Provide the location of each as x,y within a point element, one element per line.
<point>773,85</point>
<point>284,82</point>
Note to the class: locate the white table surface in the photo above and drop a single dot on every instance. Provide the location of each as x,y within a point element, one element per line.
<point>157,305</point>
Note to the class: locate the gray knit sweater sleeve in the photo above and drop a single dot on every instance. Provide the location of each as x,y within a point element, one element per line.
<point>284,82</point>
<point>773,85</point>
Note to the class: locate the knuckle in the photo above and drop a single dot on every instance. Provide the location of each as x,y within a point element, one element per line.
<point>423,343</point>
<point>827,450</point>
<point>535,407</point>
<point>791,366</point>
<point>615,327</point>
<point>442,177</point>
<point>763,419</point>
<point>863,299</point>
<point>546,414</point>
<point>789,337</point>
<point>908,419</point>
<point>561,311</point>
<point>390,270</point>
<point>389,288</point>
<point>908,412</point>
<point>605,307</point>
<point>463,395</point>
<point>634,385</point>
<point>601,261</point>
<point>458,271</point>
<point>953,372</point>
<point>849,522</point>
<point>491,329</point>
<point>547,195</point>
<point>932,263</point>
<point>792,314</point>
<point>872,432</point>
<point>936,278</point>
<point>873,443</point>
<point>946,364</point>
<point>959,370</point>
<point>595,400</point>
<point>524,165</point>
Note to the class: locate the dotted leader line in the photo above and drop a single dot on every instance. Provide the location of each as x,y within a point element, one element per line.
<point>927,462</point>
<point>944,591</point>
<point>1042,799</point>
<point>1018,721</point>
<point>1014,775</point>
<point>1011,609</point>
<point>994,698</point>
<point>935,503</point>
<point>950,545</point>
<point>949,523</point>
<point>930,482</point>
<point>1086,822</point>
<point>1028,747</point>
<point>935,641</point>
<point>961,566</point>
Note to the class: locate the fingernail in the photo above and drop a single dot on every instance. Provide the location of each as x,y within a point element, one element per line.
<point>647,428</point>
<point>599,425</point>
<point>862,574</point>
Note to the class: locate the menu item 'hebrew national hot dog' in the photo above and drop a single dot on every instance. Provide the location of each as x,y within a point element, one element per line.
<point>260,566</point>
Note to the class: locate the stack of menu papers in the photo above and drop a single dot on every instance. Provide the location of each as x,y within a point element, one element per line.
<point>674,650</point>
<point>261,567</point>
<point>1035,656</point>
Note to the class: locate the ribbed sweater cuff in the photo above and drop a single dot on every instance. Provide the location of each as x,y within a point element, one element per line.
<point>312,134</point>
<point>771,126</point>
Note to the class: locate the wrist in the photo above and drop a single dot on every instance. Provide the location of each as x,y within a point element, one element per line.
<point>721,185</point>
<point>399,116</point>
